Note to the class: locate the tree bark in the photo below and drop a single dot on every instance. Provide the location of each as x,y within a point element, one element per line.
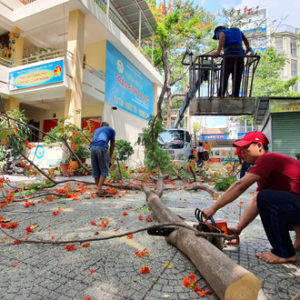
<point>227,279</point>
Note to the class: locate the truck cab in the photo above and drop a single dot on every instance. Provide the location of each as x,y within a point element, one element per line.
<point>177,142</point>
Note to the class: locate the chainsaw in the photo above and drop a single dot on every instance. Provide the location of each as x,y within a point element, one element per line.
<point>216,230</point>
<point>215,226</point>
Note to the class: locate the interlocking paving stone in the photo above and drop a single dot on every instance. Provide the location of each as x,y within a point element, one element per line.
<point>51,272</point>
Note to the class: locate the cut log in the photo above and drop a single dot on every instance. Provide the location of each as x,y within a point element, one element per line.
<point>228,279</point>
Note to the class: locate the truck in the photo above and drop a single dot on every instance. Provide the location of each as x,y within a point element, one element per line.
<point>177,142</point>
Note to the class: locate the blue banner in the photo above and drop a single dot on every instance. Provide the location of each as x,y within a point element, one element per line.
<point>213,137</point>
<point>37,75</point>
<point>125,86</point>
<point>241,134</point>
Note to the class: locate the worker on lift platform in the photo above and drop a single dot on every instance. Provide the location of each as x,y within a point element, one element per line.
<point>230,39</point>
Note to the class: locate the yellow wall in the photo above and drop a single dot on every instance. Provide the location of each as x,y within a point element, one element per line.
<point>11,103</point>
<point>19,44</point>
<point>92,110</point>
<point>96,55</point>
<point>39,115</point>
<point>73,96</point>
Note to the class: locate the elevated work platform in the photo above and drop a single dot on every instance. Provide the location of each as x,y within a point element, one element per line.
<point>228,106</point>
<point>211,93</point>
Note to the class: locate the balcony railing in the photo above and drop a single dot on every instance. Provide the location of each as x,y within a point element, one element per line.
<point>40,57</point>
<point>115,17</point>
<point>98,73</point>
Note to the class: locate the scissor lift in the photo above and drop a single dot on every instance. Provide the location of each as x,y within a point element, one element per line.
<point>205,79</point>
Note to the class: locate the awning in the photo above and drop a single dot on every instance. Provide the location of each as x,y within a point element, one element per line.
<point>129,10</point>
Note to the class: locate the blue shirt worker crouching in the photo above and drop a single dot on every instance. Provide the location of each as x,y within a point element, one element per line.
<point>99,155</point>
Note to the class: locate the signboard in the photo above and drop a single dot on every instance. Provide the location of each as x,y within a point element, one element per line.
<point>213,137</point>
<point>37,75</point>
<point>125,86</point>
<point>280,106</point>
<point>241,135</point>
<point>215,159</point>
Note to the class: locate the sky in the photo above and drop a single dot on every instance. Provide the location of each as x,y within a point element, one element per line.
<point>283,11</point>
<point>286,11</point>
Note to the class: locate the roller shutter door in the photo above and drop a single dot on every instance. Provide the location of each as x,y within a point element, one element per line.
<point>286,133</point>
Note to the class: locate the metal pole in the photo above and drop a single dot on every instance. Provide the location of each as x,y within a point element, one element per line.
<point>152,46</point>
<point>140,27</point>
<point>107,7</point>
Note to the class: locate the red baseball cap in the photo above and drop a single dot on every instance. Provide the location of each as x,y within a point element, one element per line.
<point>252,137</point>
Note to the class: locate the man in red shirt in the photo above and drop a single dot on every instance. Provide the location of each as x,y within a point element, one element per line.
<point>277,199</point>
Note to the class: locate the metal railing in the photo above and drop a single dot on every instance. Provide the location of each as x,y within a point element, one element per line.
<point>62,53</point>
<point>98,73</point>
<point>115,17</point>
<point>210,76</point>
<point>34,58</point>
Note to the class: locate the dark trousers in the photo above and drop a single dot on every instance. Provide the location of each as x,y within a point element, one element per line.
<point>279,212</point>
<point>244,168</point>
<point>234,66</point>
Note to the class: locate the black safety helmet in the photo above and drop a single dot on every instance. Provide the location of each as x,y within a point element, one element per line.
<point>216,30</point>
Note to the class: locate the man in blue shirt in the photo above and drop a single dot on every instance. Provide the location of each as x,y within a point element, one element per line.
<point>231,40</point>
<point>99,155</point>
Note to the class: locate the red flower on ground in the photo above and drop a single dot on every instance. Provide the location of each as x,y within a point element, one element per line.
<point>29,229</point>
<point>140,218</point>
<point>149,219</point>
<point>85,245</point>
<point>130,236</point>
<point>186,281</point>
<point>145,269</point>
<point>142,253</point>
<point>125,213</point>
<point>93,223</point>
<point>70,247</point>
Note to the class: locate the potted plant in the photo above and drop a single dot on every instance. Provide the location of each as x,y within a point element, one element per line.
<point>64,167</point>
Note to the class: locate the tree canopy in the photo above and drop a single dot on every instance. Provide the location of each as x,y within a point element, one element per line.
<point>268,80</point>
<point>180,25</point>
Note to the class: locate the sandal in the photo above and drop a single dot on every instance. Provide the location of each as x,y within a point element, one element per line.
<point>102,193</point>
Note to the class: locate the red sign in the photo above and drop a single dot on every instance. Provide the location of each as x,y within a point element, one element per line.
<point>91,123</point>
<point>215,159</point>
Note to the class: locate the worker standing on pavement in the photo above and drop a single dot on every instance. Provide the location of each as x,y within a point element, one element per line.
<point>231,41</point>
<point>277,200</point>
<point>100,157</point>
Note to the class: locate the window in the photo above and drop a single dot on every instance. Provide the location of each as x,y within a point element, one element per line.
<point>295,88</point>
<point>294,70</point>
<point>293,47</point>
<point>249,125</point>
<point>242,126</point>
<point>279,45</point>
<point>245,126</point>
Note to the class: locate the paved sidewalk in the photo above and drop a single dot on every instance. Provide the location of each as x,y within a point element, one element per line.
<point>110,269</point>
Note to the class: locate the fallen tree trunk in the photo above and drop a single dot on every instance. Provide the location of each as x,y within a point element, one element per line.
<point>228,279</point>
